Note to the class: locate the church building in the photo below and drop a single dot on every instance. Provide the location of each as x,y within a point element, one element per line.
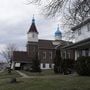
<point>46,50</point>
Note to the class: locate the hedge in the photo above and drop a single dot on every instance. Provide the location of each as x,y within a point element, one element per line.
<point>83,66</point>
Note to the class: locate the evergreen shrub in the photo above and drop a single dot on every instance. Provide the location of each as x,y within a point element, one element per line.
<point>83,66</point>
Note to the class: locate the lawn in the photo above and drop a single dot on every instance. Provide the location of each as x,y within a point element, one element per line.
<point>46,80</point>
<point>62,82</point>
<point>5,74</point>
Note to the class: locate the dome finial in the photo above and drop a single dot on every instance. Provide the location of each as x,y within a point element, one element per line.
<point>33,20</point>
<point>58,27</point>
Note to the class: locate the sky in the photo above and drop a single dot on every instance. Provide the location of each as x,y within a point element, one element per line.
<point>15,20</point>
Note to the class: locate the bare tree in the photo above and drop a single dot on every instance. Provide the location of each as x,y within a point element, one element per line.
<point>75,11</point>
<point>7,53</point>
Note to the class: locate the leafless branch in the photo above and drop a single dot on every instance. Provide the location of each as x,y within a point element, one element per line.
<point>7,53</point>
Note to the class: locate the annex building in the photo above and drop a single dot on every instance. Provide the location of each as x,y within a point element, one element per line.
<point>81,47</point>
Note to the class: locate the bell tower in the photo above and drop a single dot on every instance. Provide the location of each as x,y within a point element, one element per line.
<point>33,33</point>
<point>32,36</point>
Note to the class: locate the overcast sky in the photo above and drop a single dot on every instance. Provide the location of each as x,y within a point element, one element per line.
<point>15,21</point>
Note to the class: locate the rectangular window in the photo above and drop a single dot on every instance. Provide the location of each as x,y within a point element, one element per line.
<point>88,27</point>
<point>80,53</point>
<point>33,49</point>
<point>83,52</point>
<point>68,55</point>
<point>44,65</point>
<point>50,65</point>
<point>51,55</point>
<point>38,54</point>
<point>63,55</point>
<point>86,52</point>
<point>44,55</point>
<point>79,31</point>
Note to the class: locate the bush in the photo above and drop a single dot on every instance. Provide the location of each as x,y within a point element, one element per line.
<point>83,66</point>
<point>68,66</point>
<point>57,62</point>
<point>65,66</point>
<point>35,64</point>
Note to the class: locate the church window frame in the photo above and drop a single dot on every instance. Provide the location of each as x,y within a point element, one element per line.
<point>44,55</point>
<point>50,65</point>
<point>87,52</point>
<point>44,65</point>
<point>51,55</point>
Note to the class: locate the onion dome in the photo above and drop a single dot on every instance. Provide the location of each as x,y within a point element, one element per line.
<point>58,33</point>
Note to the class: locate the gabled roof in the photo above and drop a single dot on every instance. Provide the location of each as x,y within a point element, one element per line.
<point>48,44</point>
<point>45,44</point>
<point>21,56</point>
<point>33,27</point>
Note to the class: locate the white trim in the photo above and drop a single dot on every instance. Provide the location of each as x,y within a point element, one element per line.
<point>46,66</point>
<point>17,64</point>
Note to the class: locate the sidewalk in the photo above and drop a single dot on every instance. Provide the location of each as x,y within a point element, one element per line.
<point>22,74</point>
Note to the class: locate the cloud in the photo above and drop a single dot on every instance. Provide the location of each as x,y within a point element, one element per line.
<point>15,21</point>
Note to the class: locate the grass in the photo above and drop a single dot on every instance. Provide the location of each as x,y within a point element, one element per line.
<point>5,74</point>
<point>43,73</point>
<point>57,83</point>
<point>47,80</point>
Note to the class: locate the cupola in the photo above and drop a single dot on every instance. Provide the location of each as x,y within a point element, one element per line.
<point>58,34</point>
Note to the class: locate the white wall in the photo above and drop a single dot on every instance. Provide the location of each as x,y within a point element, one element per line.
<point>31,38</point>
<point>46,66</point>
<point>58,38</point>
<point>56,42</point>
<point>77,53</point>
<point>15,65</point>
<point>84,33</point>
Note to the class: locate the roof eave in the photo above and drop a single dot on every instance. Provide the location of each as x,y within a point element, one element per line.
<point>81,24</point>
